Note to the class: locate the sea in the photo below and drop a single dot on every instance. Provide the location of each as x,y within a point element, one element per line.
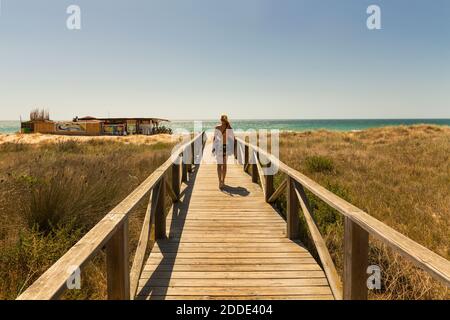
<point>284,125</point>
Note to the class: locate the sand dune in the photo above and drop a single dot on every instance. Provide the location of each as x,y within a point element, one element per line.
<point>47,138</point>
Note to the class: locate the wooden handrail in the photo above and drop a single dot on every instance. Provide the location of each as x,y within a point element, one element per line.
<point>110,233</point>
<point>357,224</point>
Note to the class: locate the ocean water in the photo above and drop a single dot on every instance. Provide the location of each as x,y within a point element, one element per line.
<point>286,125</point>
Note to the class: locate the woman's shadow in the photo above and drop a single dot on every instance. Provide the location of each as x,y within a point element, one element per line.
<point>235,191</point>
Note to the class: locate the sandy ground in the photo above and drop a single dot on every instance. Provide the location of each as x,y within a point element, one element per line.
<point>48,138</point>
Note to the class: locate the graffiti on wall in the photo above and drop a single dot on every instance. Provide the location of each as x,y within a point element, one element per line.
<point>74,127</point>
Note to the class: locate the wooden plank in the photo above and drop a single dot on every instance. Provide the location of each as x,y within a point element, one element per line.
<point>233,267</point>
<point>237,291</point>
<point>229,261</point>
<point>276,274</point>
<point>227,255</point>
<point>226,283</point>
<point>118,276</point>
<point>319,243</point>
<point>356,245</point>
<point>139,255</point>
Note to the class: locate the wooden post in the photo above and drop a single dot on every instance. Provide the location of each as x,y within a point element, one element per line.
<point>246,157</point>
<point>118,274</point>
<point>192,155</point>
<point>268,180</point>
<point>292,217</point>
<point>254,168</point>
<point>184,175</point>
<point>176,177</point>
<point>159,201</point>
<point>356,247</point>
<point>235,149</point>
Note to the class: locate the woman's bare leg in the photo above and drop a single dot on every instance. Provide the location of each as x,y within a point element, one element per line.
<point>224,170</point>
<point>219,174</point>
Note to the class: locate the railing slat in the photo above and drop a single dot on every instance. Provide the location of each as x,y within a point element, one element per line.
<point>274,197</point>
<point>144,242</point>
<point>324,255</point>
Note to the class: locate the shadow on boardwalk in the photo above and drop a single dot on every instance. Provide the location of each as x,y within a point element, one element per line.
<point>170,245</point>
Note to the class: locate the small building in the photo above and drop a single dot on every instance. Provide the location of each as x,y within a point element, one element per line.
<point>91,126</point>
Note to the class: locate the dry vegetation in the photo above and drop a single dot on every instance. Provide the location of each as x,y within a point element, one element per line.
<point>400,175</point>
<point>53,193</point>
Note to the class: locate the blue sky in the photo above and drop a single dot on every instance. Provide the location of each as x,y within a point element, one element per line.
<point>196,59</point>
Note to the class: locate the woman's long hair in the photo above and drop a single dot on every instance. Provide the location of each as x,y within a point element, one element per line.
<point>224,119</point>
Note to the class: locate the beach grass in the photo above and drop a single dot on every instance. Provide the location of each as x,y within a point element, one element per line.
<point>51,194</point>
<point>400,175</point>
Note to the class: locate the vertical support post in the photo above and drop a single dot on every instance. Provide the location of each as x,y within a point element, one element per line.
<point>118,273</point>
<point>176,177</point>
<point>184,176</point>
<point>293,219</point>
<point>192,155</point>
<point>268,180</point>
<point>160,212</point>
<point>246,157</point>
<point>235,149</point>
<point>356,247</point>
<point>254,168</point>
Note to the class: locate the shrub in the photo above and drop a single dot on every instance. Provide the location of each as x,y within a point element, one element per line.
<point>319,164</point>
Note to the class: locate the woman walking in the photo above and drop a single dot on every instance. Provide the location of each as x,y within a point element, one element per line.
<point>223,145</point>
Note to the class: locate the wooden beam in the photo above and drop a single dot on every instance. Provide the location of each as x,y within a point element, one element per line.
<point>292,217</point>
<point>356,244</point>
<point>262,177</point>
<point>254,166</point>
<point>144,242</point>
<point>274,197</point>
<point>158,207</point>
<point>118,276</point>
<point>176,177</point>
<point>324,255</point>
<point>246,158</point>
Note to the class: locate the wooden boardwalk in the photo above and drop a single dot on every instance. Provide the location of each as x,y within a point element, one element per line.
<point>228,244</point>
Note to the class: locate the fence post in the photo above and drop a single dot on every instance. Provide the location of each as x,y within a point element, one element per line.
<point>184,175</point>
<point>118,273</point>
<point>254,168</point>
<point>292,216</point>
<point>268,180</point>
<point>176,177</point>
<point>246,157</point>
<point>356,247</point>
<point>159,201</point>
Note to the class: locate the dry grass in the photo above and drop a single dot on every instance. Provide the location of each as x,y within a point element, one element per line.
<point>53,193</point>
<point>399,175</point>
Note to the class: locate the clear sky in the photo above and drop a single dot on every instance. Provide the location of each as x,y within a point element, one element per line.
<point>195,59</point>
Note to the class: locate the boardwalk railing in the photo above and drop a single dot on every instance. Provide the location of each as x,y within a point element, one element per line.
<point>111,233</point>
<point>358,225</point>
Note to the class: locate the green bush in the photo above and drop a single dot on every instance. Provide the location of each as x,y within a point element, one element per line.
<point>319,164</point>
